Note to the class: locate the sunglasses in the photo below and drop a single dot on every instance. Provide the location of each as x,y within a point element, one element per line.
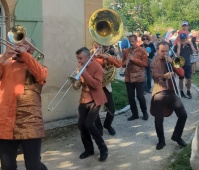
<point>144,39</point>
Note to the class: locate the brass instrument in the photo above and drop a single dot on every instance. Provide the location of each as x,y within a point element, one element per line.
<point>108,73</point>
<point>177,62</point>
<point>106,28</point>
<point>17,35</point>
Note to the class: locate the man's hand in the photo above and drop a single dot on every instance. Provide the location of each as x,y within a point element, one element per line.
<point>168,59</point>
<point>103,56</point>
<point>8,54</point>
<point>168,75</point>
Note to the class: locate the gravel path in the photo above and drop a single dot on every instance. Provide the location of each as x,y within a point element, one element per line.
<point>132,148</point>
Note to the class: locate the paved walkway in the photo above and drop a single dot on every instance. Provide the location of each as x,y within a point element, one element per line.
<point>132,148</point>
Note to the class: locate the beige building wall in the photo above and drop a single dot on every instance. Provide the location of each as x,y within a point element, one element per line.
<point>65,29</point>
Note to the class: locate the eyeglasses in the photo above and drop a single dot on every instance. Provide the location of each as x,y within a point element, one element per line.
<point>144,38</point>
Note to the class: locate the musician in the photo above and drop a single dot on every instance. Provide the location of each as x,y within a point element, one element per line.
<point>135,60</point>
<point>164,100</point>
<point>91,99</point>
<point>104,58</point>
<point>185,52</point>
<point>21,122</point>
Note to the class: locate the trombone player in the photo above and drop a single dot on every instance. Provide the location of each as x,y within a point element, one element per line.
<point>91,99</point>
<point>104,59</point>
<point>21,123</point>
<point>164,100</point>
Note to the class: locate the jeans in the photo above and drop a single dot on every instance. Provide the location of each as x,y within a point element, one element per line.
<point>131,87</point>
<point>86,123</point>
<point>31,149</point>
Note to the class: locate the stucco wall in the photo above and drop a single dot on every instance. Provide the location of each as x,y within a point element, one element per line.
<point>63,34</point>
<point>65,30</point>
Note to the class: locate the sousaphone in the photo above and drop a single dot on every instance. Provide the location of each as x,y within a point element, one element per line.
<point>106,28</point>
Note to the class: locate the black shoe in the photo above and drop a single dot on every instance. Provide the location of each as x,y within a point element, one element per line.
<point>86,154</point>
<point>180,141</point>
<point>110,130</point>
<point>132,118</point>
<point>189,96</point>
<point>145,116</point>
<point>103,155</point>
<point>160,145</point>
<point>183,95</point>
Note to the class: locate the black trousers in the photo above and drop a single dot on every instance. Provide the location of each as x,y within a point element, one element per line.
<point>31,150</point>
<point>170,100</point>
<point>138,86</point>
<point>86,123</point>
<point>110,107</point>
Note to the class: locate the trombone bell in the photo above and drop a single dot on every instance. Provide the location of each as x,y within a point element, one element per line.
<point>178,62</point>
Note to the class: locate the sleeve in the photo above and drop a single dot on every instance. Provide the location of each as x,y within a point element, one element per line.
<point>39,71</point>
<point>124,58</point>
<point>94,81</point>
<point>117,63</point>
<point>143,60</point>
<point>156,75</point>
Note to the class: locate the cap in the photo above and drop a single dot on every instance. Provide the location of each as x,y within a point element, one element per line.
<point>183,36</point>
<point>185,23</point>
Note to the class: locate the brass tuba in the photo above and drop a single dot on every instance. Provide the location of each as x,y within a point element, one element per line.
<point>106,28</point>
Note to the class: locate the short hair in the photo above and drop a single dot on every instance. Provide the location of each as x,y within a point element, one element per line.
<point>83,49</point>
<point>162,43</point>
<point>133,36</point>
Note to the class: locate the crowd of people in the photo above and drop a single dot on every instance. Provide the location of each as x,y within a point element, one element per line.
<point>142,59</point>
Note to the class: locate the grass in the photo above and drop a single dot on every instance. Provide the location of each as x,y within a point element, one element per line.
<point>195,79</point>
<point>119,94</point>
<point>181,160</point>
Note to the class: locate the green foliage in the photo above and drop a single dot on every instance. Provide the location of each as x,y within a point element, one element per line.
<point>156,15</point>
<point>119,94</point>
<point>181,160</point>
<point>195,79</point>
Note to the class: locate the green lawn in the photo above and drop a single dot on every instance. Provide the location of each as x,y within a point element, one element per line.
<point>195,79</point>
<point>181,160</point>
<point>119,94</point>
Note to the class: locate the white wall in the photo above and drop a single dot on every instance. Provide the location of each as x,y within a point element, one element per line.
<point>63,34</point>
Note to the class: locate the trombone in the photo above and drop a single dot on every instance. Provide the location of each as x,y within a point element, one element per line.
<point>17,35</point>
<point>178,62</point>
<point>106,28</point>
<point>73,80</point>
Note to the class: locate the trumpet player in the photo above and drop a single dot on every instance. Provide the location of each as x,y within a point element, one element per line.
<point>21,123</point>
<point>164,100</point>
<point>104,58</point>
<point>135,60</point>
<point>91,99</point>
